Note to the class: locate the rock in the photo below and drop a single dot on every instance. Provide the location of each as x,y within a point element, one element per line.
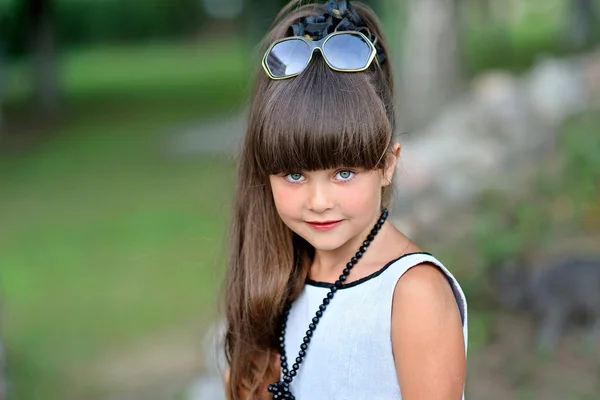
<point>206,388</point>
<point>591,68</point>
<point>556,89</point>
<point>214,137</point>
<point>491,137</point>
<point>210,385</point>
<point>213,349</point>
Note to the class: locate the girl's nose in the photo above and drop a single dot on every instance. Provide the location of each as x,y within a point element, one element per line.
<point>320,199</point>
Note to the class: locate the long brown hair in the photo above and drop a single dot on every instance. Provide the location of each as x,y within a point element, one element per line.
<point>319,119</point>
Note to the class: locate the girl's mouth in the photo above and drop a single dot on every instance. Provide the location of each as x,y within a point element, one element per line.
<point>323,225</point>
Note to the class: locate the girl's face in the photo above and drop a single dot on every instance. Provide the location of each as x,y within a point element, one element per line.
<point>329,208</point>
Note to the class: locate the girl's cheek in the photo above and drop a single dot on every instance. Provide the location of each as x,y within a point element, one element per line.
<point>281,194</point>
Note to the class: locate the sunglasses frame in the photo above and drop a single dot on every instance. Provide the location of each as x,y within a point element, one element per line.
<point>319,44</point>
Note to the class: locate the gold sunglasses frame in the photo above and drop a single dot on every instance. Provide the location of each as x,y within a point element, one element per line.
<point>319,44</point>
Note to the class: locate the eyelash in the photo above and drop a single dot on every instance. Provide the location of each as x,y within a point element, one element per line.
<point>285,176</point>
<point>346,170</point>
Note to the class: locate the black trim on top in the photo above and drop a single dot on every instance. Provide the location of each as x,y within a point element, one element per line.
<point>364,279</point>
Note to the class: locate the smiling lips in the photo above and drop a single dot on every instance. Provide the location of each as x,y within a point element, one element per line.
<point>323,225</point>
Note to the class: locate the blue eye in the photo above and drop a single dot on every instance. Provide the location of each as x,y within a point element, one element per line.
<point>294,177</point>
<point>344,175</point>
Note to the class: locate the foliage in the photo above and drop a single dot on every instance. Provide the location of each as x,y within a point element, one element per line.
<point>81,23</point>
<point>562,203</point>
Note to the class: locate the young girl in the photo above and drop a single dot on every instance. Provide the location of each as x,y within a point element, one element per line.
<point>325,298</point>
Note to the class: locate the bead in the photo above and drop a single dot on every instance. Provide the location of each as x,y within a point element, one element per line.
<point>281,388</point>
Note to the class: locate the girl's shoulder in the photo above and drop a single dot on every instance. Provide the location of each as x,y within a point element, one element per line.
<point>421,279</point>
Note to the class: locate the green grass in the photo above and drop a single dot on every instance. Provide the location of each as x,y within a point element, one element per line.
<point>103,240</point>
<point>100,247</point>
<point>181,78</point>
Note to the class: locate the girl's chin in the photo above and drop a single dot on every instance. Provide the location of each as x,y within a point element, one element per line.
<point>326,244</point>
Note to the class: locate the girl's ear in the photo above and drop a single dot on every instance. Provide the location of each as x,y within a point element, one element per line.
<point>390,164</point>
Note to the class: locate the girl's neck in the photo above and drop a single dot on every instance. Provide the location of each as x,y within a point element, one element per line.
<point>327,265</point>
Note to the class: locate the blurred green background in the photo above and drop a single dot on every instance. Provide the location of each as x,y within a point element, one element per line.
<point>111,247</point>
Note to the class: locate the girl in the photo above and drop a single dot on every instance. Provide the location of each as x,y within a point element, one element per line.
<point>325,298</point>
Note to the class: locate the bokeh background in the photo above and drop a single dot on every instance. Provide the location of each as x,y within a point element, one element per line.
<point>119,123</point>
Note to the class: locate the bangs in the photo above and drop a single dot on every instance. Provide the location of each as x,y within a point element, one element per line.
<point>321,119</point>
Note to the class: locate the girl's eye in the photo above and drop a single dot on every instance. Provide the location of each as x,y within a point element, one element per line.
<point>344,175</point>
<point>294,177</point>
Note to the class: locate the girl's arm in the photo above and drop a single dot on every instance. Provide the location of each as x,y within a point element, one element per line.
<point>427,336</point>
<point>226,382</point>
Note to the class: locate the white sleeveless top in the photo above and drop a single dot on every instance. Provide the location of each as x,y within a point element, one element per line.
<point>350,354</point>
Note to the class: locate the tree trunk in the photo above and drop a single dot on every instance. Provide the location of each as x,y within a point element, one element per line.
<point>44,55</point>
<point>3,378</point>
<point>582,22</point>
<point>258,16</point>
<point>2,91</point>
<point>430,68</point>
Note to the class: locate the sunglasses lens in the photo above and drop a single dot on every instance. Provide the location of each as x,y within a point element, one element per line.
<point>288,57</point>
<point>347,51</point>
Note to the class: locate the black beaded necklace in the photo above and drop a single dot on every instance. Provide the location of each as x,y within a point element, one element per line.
<point>281,389</point>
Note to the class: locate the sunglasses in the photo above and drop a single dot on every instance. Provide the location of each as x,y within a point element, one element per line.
<point>346,51</point>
